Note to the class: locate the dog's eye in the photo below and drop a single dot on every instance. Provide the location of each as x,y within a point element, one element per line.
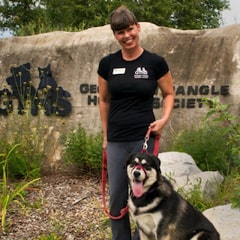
<point>132,164</point>
<point>146,166</point>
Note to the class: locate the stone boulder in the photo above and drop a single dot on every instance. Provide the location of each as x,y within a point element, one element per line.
<point>184,174</point>
<point>204,63</point>
<point>226,220</point>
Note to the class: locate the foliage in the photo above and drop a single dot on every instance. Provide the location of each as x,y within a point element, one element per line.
<point>220,114</point>
<point>30,133</point>
<point>215,144</point>
<point>52,236</point>
<point>205,144</point>
<point>9,194</point>
<point>25,17</point>
<point>229,124</point>
<point>195,197</point>
<point>84,150</point>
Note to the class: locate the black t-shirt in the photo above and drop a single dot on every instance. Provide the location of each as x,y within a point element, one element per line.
<point>132,85</point>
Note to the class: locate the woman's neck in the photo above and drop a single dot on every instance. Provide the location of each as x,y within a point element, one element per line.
<point>132,54</point>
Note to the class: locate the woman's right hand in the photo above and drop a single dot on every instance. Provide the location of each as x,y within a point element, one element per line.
<point>104,145</point>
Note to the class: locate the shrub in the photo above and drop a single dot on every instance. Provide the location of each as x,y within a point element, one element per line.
<point>84,151</point>
<point>207,147</point>
<point>215,143</point>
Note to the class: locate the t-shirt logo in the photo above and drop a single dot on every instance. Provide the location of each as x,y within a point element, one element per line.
<point>141,72</point>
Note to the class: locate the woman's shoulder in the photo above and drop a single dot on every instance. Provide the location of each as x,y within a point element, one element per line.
<point>111,56</point>
<point>153,55</point>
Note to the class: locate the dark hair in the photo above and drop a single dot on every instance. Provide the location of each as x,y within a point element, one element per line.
<point>122,18</point>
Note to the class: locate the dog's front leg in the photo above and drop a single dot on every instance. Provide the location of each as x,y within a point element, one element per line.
<point>145,237</point>
<point>147,227</point>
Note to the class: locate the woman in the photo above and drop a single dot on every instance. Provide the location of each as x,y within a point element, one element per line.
<point>127,82</point>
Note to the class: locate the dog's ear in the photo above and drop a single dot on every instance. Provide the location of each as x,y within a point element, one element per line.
<point>129,159</point>
<point>157,163</point>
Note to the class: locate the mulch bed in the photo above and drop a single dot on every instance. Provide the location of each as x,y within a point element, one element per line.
<point>69,207</point>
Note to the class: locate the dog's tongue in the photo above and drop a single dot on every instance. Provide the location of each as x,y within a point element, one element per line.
<point>137,189</point>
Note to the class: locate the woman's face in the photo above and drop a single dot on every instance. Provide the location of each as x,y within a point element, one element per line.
<point>128,38</point>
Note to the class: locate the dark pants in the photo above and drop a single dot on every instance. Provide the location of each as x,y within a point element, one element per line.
<point>117,154</point>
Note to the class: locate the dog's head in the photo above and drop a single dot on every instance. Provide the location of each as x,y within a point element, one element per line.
<point>143,171</point>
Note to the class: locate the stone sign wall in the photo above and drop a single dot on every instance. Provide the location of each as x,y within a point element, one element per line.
<point>204,63</point>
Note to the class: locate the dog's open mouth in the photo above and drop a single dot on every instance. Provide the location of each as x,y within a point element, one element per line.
<point>137,188</point>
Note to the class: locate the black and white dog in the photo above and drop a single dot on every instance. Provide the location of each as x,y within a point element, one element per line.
<point>159,212</point>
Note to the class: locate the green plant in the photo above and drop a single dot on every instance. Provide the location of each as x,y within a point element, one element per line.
<point>84,150</point>
<point>9,194</point>
<point>51,236</point>
<point>229,125</point>
<point>215,143</point>
<point>25,161</point>
<point>196,197</point>
<point>206,145</point>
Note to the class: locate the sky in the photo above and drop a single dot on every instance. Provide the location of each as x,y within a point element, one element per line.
<point>231,16</point>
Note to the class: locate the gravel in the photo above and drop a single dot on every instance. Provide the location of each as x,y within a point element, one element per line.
<point>67,207</point>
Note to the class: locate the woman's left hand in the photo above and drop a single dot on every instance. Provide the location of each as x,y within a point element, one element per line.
<point>157,126</point>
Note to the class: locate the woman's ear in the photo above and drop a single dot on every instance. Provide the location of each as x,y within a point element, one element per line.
<point>139,27</point>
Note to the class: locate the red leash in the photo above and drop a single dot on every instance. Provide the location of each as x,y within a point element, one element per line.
<point>123,211</point>
<point>104,177</point>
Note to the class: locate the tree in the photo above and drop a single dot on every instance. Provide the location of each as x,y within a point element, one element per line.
<point>15,14</point>
<point>25,17</point>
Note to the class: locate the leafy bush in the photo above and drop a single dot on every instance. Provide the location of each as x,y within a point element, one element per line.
<point>215,144</point>
<point>84,151</point>
<point>230,126</point>
<point>207,147</point>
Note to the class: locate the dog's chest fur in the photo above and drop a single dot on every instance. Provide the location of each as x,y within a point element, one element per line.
<point>146,221</point>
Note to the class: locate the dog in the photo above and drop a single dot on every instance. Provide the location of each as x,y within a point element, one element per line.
<point>158,211</point>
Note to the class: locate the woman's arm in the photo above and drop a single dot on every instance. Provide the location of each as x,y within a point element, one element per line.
<point>104,103</point>
<point>165,83</point>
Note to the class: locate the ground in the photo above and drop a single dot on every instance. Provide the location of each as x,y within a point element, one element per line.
<point>69,207</point>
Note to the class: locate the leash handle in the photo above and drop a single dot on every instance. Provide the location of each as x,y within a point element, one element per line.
<point>156,143</point>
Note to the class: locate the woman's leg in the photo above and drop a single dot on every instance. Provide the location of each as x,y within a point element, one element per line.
<point>118,188</point>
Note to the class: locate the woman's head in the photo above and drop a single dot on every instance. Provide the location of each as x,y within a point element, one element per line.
<point>122,18</point>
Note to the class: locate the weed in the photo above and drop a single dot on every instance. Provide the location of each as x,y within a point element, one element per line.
<point>51,236</point>
<point>84,150</point>
<point>8,194</point>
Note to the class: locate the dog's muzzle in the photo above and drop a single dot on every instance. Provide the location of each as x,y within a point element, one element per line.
<point>136,171</point>
<point>139,175</point>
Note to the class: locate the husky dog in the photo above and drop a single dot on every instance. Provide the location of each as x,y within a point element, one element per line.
<point>159,212</point>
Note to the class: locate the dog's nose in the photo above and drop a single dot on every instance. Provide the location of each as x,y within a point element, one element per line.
<point>136,174</point>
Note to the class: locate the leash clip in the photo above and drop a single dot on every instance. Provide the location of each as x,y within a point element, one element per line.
<point>145,145</point>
